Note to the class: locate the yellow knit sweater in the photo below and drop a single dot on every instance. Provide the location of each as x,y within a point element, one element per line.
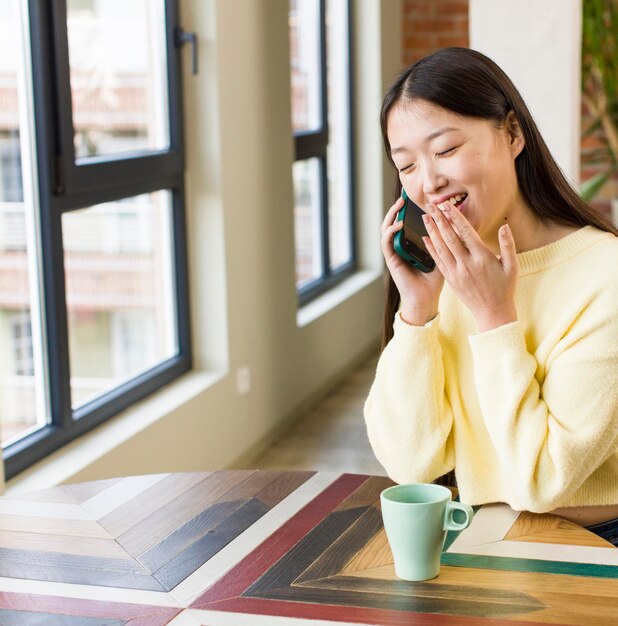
<point>526,413</point>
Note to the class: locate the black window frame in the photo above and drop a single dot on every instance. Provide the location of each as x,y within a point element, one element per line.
<point>66,184</point>
<point>314,144</point>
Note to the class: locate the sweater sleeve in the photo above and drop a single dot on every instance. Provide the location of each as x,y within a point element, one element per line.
<point>409,420</point>
<point>552,427</point>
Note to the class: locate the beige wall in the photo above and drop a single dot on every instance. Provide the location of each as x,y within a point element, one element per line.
<point>241,254</point>
<point>538,44</point>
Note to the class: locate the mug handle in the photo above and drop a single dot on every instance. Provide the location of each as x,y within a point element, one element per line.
<point>450,523</point>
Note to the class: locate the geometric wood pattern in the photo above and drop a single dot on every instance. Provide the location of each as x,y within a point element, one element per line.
<point>252,548</point>
<point>152,541</point>
<point>342,569</point>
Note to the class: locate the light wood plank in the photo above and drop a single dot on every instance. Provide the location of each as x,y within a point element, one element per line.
<point>55,494</point>
<point>376,553</point>
<point>51,526</point>
<point>139,508</point>
<point>549,528</point>
<point>56,510</point>
<point>528,582</point>
<point>84,491</point>
<point>84,546</point>
<point>119,493</point>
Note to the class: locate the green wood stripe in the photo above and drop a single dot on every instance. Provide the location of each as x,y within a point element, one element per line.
<point>529,565</point>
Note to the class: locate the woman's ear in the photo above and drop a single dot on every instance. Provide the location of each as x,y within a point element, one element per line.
<point>515,134</point>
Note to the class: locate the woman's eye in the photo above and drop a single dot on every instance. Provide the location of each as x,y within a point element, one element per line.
<point>445,152</point>
<point>406,168</point>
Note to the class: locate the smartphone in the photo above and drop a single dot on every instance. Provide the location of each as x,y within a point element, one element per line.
<point>408,242</point>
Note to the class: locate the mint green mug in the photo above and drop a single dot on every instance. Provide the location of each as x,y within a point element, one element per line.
<point>416,518</point>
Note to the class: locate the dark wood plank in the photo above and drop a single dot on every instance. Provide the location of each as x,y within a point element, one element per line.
<point>258,481</point>
<point>205,548</point>
<point>303,554</point>
<point>518,601</point>
<point>335,557</point>
<point>68,568</point>
<point>188,534</point>
<point>368,494</point>
<point>360,615</point>
<point>283,486</point>
<point>163,521</point>
<point>459,605</point>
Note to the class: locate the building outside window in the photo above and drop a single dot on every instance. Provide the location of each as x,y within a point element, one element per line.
<point>321,82</point>
<point>93,296</point>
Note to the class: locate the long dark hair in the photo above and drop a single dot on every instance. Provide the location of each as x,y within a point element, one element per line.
<point>467,82</point>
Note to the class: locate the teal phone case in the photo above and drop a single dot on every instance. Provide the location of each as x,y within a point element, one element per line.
<point>426,264</point>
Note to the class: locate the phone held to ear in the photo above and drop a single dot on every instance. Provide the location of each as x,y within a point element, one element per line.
<point>408,242</point>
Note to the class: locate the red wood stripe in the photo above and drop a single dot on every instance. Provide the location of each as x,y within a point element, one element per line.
<point>360,615</point>
<point>160,619</point>
<point>273,548</point>
<point>85,608</point>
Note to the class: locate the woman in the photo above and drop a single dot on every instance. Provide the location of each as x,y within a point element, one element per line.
<point>501,363</point>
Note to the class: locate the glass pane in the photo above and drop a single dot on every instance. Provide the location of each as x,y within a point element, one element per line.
<point>118,269</point>
<point>118,75</point>
<point>307,221</point>
<point>23,406</point>
<point>339,166</point>
<point>304,22</point>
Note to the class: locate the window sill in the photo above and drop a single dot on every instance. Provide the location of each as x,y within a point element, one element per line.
<point>61,466</point>
<point>334,297</point>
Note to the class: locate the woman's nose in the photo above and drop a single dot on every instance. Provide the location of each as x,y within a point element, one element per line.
<point>432,179</point>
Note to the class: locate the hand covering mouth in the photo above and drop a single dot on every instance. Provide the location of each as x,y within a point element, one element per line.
<point>455,200</point>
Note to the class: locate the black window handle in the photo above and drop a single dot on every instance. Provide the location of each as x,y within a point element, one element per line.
<point>181,38</point>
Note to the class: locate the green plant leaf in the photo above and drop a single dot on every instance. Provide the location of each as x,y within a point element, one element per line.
<point>600,85</point>
<point>591,187</point>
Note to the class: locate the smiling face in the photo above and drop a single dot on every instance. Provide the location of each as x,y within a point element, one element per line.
<point>442,156</point>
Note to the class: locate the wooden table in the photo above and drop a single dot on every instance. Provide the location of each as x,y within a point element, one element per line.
<point>267,548</point>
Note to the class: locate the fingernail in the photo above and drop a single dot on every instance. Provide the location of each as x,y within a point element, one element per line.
<point>426,219</point>
<point>445,206</point>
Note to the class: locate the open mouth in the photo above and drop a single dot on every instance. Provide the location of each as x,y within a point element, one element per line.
<point>457,200</point>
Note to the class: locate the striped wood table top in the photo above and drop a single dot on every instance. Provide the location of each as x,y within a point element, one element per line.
<point>268,548</point>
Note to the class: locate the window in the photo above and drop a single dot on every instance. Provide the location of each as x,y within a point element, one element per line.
<point>320,53</point>
<point>93,293</point>
<point>21,344</point>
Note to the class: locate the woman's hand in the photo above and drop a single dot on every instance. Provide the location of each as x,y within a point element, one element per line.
<point>419,291</point>
<point>484,283</point>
